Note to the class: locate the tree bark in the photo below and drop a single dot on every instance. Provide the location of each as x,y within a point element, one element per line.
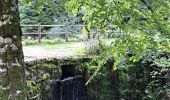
<point>11,55</point>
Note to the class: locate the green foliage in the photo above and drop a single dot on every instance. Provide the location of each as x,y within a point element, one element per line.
<point>29,14</point>
<point>141,24</point>
<point>46,12</point>
<point>144,80</point>
<point>96,47</point>
<point>100,87</point>
<point>81,52</point>
<point>100,53</point>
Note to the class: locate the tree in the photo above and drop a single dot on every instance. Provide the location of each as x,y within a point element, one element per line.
<point>48,12</point>
<point>142,24</point>
<point>30,15</point>
<point>11,55</point>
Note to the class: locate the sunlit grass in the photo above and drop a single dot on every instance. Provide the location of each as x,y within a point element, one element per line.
<point>80,52</point>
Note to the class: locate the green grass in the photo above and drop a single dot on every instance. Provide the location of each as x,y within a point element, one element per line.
<point>28,42</point>
<point>53,44</point>
<point>80,52</point>
<point>58,42</point>
<point>64,45</point>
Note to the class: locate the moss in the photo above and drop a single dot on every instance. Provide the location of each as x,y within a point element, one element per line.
<point>46,68</point>
<point>39,78</point>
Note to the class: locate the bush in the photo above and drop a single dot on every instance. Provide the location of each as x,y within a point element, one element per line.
<point>146,79</point>
<point>100,87</point>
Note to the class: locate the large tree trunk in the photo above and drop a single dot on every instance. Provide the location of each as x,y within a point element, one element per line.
<point>11,55</point>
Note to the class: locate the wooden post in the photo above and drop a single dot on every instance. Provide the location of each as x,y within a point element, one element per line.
<point>39,33</point>
<point>88,35</point>
<point>66,34</point>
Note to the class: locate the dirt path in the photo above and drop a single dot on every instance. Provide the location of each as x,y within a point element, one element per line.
<point>40,52</point>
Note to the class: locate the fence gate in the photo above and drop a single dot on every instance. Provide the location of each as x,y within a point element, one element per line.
<point>71,88</point>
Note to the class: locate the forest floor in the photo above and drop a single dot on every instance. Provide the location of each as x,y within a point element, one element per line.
<point>53,51</point>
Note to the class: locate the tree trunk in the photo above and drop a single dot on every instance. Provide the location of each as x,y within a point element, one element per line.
<point>11,55</point>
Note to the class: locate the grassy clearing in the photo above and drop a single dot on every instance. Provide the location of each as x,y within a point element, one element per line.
<point>74,46</point>
<point>55,43</point>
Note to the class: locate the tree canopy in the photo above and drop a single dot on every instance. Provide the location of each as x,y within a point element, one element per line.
<point>46,12</point>
<point>142,24</point>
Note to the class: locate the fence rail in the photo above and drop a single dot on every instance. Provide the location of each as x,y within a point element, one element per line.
<point>65,32</point>
<point>40,33</point>
<point>53,25</point>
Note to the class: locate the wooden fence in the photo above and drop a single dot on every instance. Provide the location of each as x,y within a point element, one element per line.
<point>65,32</point>
<point>40,33</point>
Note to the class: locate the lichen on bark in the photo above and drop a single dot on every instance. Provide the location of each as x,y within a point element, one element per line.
<point>11,55</point>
